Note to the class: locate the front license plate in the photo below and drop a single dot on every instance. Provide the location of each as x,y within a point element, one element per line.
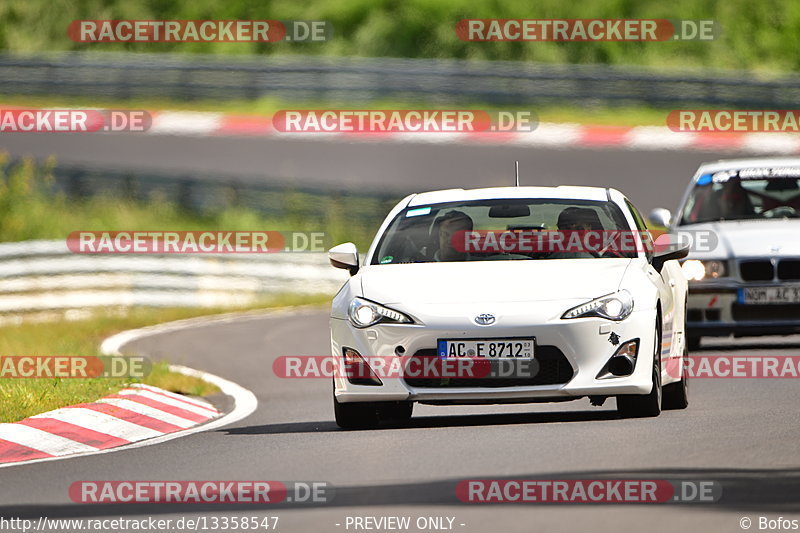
<point>488,348</point>
<point>770,295</point>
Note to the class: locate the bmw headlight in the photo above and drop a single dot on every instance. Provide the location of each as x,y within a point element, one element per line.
<point>615,306</point>
<point>696,270</point>
<point>363,313</point>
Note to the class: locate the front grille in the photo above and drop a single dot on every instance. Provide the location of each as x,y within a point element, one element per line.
<point>757,270</point>
<point>554,369</point>
<point>766,312</point>
<point>789,269</point>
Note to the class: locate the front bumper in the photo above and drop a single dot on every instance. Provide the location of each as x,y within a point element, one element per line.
<point>584,343</point>
<point>717,309</point>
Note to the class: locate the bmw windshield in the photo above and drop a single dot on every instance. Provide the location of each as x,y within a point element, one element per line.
<point>747,194</point>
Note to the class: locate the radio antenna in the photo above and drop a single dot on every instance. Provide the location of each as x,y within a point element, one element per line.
<point>516,165</point>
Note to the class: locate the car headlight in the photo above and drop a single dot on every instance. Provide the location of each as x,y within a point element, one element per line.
<point>615,306</point>
<point>363,313</point>
<point>696,270</point>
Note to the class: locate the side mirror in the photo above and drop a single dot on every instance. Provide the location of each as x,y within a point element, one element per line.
<point>668,252</point>
<point>344,256</point>
<point>660,217</point>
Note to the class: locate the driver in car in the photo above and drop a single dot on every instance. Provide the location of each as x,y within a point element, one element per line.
<point>735,202</point>
<point>449,225</point>
<point>576,219</point>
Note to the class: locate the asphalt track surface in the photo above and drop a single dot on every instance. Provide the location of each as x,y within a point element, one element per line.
<point>649,178</point>
<point>742,433</point>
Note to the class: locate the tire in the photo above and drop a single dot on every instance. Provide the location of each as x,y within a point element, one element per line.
<point>693,342</point>
<point>645,405</point>
<point>359,415</point>
<point>676,395</point>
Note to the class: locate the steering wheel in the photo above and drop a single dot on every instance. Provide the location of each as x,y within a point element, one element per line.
<point>781,211</point>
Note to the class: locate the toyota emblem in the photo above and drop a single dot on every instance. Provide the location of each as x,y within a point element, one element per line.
<point>485,319</point>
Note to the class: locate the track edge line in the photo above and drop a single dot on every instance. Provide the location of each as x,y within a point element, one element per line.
<point>245,402</point>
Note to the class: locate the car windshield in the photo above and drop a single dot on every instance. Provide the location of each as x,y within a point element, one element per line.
<point>432,233</point>
<point>763,193</point>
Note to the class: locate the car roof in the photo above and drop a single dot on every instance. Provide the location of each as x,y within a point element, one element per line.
<point>753,162</point>
<point>566,192</point>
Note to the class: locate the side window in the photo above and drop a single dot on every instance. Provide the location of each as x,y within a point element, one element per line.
<point>647,239</point>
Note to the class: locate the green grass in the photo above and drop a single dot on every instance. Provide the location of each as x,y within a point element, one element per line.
<point>21,398</point>
<point>29,209</point>
<point>760,36</point>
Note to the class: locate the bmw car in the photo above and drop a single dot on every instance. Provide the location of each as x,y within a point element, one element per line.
<point>748,282</point>
<point>604,322</point>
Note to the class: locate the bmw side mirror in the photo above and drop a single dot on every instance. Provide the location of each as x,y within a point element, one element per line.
<point>660,217</point>
<point>344,256</point>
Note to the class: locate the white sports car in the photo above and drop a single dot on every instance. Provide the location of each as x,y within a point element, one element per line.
<point>748,283</point>
<point>599,322</point>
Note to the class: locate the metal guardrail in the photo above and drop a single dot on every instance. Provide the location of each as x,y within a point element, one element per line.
<point>300,207</point>
<point>203,192</point>
<point>362,80</point>
<point>45,275</point>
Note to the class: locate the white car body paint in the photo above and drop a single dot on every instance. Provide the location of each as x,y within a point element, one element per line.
<point>773,240</point>
<point>528,299</point>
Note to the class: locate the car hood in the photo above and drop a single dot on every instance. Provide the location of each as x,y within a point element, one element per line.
<point>751,238</point>
<point>492,281</point>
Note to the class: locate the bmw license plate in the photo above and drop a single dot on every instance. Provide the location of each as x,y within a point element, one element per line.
<point>770,295</point>
<point>488,348</point>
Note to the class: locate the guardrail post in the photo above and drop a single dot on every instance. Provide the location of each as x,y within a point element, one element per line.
<point>185,198</point>
<point>75,185</point>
